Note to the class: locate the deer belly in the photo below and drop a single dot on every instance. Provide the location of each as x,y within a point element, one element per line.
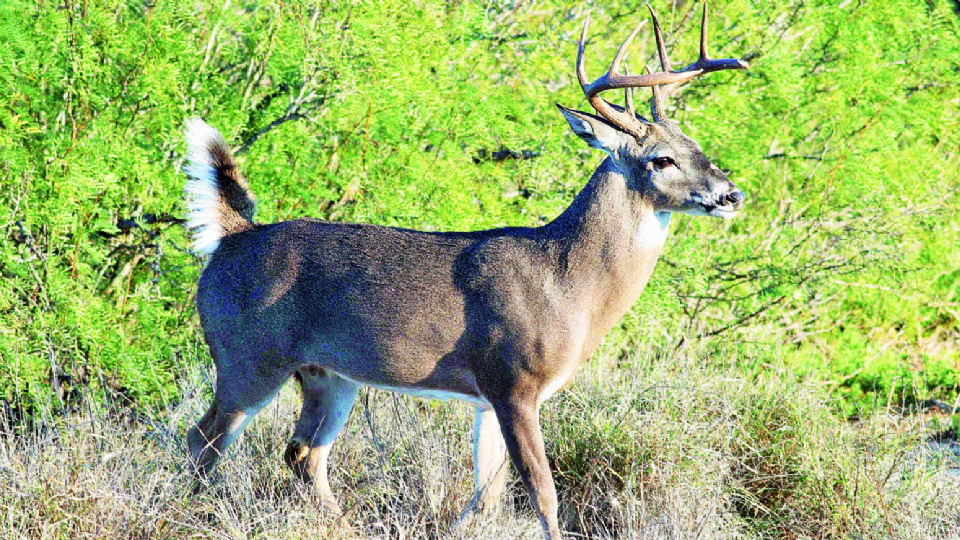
<point>431,393</point>
<point>428,393</point>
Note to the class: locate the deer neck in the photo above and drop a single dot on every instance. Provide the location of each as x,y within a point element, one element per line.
<point>609,241</point>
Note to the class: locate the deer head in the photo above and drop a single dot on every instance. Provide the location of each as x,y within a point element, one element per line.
<point>659,162</point>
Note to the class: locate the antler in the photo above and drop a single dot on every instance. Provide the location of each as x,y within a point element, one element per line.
<point>612,79</point>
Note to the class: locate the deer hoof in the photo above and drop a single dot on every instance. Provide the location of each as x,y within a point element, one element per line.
<point>297,458</point>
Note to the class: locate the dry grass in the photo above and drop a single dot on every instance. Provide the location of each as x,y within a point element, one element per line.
<point>649,449</point>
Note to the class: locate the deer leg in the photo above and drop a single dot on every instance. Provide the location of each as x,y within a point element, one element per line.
<point>519,421</point>
<point>489,463</point>
<point>327,400</point>
<point>197,437</point>
<point>236,401</point>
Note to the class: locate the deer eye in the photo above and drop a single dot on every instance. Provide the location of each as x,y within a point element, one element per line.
<point>663,162</point>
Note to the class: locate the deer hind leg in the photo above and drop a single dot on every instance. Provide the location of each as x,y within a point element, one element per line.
<point>489,463</point>
<point>327,400</point>
<point>236,401</point>
<point>197,438</point>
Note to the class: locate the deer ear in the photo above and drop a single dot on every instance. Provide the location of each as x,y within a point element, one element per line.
<point>596,131</point>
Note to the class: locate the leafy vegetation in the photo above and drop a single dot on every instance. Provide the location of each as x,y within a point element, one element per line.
<point>843,271</point>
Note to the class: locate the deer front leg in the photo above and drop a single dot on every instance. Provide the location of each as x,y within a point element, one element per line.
<point>520,424</point>
<point>489,463</point>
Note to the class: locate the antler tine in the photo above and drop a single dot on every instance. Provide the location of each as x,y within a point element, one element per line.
<point>582,71</point>
<point>661,50</point>
<point>703,35</point>
<point>656,105</point>
<point>704,64</point>
<point>626,122</point>
<point>622,51</point>
<point>615,68</point>
<point>628,94</point>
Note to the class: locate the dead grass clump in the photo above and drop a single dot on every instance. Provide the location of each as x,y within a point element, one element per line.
<point>687,450</point>
<point>657,449</point>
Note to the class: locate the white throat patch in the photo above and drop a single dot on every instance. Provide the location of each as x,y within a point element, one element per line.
<point>652,230</point>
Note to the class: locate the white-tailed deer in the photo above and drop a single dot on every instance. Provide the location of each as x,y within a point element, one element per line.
<point>499,318</point>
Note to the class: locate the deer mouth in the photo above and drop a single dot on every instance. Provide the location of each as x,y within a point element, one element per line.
<point>723,212</point>
<point>727,211</point>
<point>724,206</point>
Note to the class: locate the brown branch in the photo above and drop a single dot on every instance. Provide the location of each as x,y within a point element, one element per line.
<point>290,116</point>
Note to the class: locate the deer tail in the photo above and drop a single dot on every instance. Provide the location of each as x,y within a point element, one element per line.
<point>218,201</point>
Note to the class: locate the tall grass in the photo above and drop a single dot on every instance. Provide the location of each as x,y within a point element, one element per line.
<point>652,447</point>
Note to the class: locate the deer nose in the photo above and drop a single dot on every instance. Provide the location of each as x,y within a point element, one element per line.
<point>734,198</point>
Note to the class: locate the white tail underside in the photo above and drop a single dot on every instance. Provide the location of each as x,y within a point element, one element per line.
<point>203,196</point>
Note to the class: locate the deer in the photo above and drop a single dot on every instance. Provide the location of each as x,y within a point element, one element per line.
<point>498,318</point>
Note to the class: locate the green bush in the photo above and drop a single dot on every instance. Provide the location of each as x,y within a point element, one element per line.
<point>842,134</point>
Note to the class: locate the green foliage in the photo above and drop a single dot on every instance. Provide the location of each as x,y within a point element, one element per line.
<point>843,134</point>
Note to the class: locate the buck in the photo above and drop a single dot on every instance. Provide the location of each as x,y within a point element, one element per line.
<point>498,318</point>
